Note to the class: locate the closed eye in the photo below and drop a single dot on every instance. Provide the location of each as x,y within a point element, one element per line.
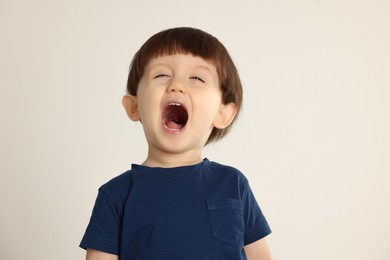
<point>162,76</point>
<point>197,78</point>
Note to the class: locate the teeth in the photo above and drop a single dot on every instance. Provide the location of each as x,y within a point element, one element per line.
<point>174,104</point>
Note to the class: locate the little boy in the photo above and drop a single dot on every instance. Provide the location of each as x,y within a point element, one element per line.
<point>185,90</point>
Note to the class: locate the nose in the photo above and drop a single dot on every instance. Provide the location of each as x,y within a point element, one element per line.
<point>177,86</point>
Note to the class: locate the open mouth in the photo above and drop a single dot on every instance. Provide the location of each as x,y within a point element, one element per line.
<point>174,117</point>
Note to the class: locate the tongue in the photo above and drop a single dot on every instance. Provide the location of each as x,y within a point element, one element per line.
<point>173,125</point>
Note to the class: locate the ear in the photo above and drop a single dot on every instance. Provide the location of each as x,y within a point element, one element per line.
<point>225,116</point>
<point>130,104</point>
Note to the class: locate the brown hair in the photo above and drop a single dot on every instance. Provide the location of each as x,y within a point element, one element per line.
<point>186,40</point>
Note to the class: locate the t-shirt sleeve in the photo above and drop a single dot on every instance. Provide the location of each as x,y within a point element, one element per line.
<point>103,231</point>
<point>256,226</point>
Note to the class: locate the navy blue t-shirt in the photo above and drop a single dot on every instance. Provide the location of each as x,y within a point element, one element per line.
<point>204,211</point>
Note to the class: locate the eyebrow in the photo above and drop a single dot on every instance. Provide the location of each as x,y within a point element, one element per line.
<point>204,67</point>
<point>195,65</point>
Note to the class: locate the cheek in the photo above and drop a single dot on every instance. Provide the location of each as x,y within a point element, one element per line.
<point>149,112</point>
<point>148,107</point>
<point>208,106</point>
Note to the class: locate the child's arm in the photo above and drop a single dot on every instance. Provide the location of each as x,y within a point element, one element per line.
<point>258,250</point>
<point>99,255</point>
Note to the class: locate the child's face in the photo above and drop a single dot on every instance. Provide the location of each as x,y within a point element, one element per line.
<point>179,102</point>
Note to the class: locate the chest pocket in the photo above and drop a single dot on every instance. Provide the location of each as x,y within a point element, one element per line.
<point>226,220</point>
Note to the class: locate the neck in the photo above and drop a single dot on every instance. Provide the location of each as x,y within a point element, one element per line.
<point>158,158</point>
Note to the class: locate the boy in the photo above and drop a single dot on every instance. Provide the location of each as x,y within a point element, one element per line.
<point>185,90</point>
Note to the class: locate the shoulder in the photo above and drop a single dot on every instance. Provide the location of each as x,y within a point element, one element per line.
<point>228,178</point>
<point>226,171</point>
<point>118,188</point>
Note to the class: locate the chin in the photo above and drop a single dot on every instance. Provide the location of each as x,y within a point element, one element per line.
<point>175,147</point>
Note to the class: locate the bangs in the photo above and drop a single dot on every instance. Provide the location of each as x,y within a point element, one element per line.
<point>182,41</point>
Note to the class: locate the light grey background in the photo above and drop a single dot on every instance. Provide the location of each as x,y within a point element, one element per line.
<point>313,138</point>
